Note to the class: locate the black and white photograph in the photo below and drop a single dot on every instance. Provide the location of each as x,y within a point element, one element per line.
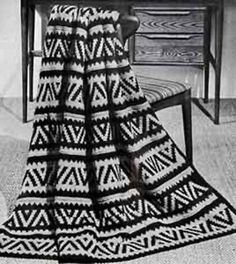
<point>118,131</point>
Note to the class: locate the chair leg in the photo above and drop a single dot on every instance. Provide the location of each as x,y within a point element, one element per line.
<point>187,123</point>
<point>24,36</point>
<point>31,56</point>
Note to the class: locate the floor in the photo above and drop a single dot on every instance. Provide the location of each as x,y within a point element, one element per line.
<point>214,157</point>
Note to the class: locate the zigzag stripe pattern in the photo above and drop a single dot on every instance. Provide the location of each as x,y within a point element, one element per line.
<point>104,182</point>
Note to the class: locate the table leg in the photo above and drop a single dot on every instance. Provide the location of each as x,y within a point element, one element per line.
<point>219,19</point>
<point>24,37</point>
<point>207,52</point>
<point>31,48</point>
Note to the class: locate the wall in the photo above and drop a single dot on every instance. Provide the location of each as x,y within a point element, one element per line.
<point>10,55</point>
<point>229,51</point>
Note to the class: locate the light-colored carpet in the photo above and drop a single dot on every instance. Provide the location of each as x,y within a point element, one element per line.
<point>214,157</point>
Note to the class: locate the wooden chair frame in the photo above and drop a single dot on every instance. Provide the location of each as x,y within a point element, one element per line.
<point>183,99</point>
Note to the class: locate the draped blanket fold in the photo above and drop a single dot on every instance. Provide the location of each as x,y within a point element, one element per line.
<point>104,182</point>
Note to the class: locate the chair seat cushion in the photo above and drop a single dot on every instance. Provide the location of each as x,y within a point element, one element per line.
<point>156,89</point>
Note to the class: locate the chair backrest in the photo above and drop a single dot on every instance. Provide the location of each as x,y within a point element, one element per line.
<point>129,25</point>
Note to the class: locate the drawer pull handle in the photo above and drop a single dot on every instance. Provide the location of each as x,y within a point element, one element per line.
<point>172,36</point>
<point>167,13</point>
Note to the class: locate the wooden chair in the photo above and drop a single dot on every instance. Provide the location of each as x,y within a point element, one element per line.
<point>160,93</point>
<point>163,93</point>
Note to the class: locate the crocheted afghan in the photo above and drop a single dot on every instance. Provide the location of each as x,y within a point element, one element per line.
<point>104,182</point>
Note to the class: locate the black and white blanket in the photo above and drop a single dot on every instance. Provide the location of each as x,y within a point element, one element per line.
<point>104,182</point>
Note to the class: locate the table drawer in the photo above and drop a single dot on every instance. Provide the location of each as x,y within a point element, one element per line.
<point>168,21</point>
<point>168,48</point>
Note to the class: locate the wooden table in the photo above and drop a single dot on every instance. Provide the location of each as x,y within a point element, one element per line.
<point>215,9</point>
